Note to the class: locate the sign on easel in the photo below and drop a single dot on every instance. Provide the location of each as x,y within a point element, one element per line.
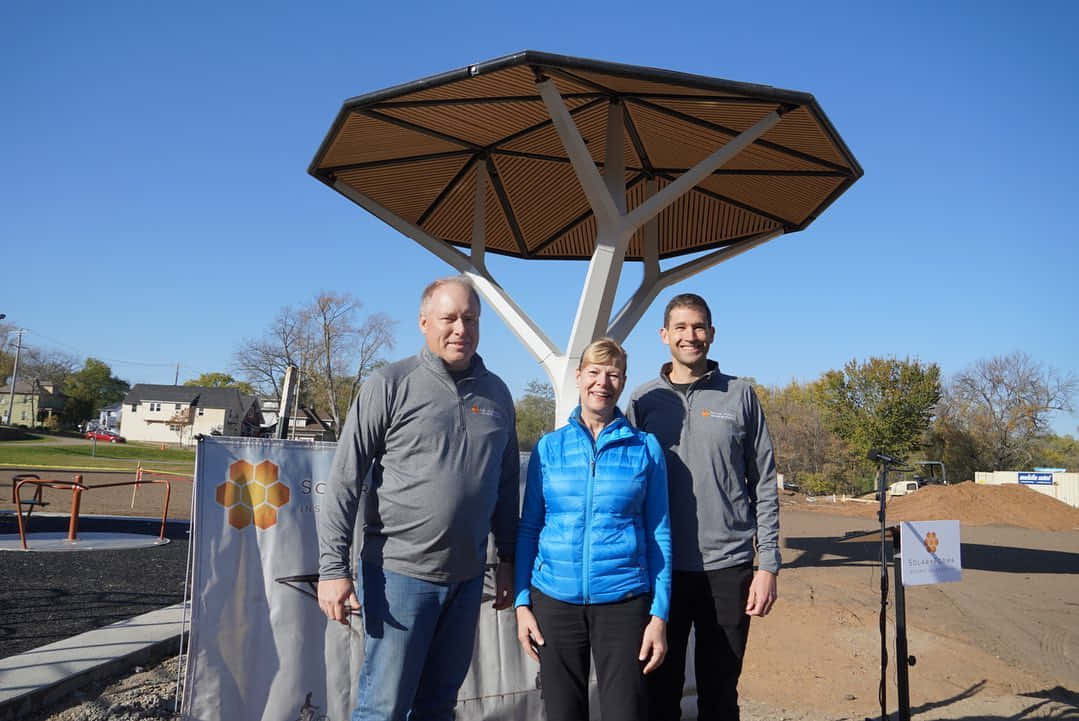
<point>930,552</point>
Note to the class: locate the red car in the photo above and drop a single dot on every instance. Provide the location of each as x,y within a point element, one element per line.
<point>105,436</point>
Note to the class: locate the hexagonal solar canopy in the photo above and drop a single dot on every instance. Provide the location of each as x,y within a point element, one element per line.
<point>414,149</point>
<point>549,157</point>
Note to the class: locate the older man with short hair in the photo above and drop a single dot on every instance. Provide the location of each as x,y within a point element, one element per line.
<point>437,431</point>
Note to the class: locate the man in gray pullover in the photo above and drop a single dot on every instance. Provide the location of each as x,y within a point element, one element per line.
<point>724,510</point>
<point>437,431</point>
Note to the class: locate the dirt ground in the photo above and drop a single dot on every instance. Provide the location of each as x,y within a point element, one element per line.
<point>147,500</point>
<point>1001,644</point>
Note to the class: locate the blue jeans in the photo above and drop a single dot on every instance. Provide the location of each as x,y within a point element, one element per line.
<point>417,645</point>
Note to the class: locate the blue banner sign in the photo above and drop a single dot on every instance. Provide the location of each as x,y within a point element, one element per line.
<point>1036,479</point>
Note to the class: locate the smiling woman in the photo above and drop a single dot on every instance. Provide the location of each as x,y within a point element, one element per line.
<point>607,596</point>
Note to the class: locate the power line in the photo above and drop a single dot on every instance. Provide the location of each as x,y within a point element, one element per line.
<point>119,361</point>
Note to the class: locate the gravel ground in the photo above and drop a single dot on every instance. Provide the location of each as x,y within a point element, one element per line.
<point>143,695</point>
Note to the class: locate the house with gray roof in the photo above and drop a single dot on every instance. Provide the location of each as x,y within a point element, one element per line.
<point>176,414</point>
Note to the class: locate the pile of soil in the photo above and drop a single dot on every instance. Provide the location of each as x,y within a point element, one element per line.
<point>969,503</point>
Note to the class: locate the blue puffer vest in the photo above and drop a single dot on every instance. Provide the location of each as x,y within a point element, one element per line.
<point>595,527</point>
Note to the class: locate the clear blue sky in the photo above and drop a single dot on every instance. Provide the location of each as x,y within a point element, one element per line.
<point>155,206</point>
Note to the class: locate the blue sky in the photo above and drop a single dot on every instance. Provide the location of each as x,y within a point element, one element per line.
<point>155,206</point>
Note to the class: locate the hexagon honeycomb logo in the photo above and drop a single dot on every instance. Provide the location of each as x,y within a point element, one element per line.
<point>252,494</point>
<point>931,542</point>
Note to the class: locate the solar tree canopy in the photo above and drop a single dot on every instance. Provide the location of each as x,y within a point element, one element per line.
<point>548,157</point>
<point>415,150</point>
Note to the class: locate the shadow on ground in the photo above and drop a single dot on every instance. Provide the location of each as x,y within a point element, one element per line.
<point>1053,703</point>
<point>827,552</point>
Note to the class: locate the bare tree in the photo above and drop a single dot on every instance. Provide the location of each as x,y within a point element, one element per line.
<point>47,366</point>
<point>334,352</point>
<point>331,318</point>
<point>1005,404</point>
<point>262,361</point>
<point>373,337</point>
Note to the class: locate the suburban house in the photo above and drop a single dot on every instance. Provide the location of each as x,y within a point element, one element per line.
<point>109,417</point>
<point>176,414</point>
<point>34,402</point>
<point>303,424</point>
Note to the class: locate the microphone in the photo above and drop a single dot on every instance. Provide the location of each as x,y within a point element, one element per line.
<point>875,455</point>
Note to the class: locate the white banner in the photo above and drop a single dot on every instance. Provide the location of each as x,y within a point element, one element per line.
<point>260,648</point>
<point>930,552</point>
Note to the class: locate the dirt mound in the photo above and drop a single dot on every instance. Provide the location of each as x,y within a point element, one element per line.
<point>969,503</point>
<point>981,505</point>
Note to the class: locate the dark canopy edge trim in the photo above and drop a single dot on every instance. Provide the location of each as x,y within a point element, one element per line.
<point>491,100</point>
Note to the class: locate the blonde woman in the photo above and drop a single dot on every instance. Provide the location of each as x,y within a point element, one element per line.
<point>593,551</point>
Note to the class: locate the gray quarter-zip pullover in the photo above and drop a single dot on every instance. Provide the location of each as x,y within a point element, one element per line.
<point>444,472</point>
<point>720,468</point>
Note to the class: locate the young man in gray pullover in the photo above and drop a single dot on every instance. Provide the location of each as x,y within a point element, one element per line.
<point>724,506</point>
<point>437,431</point>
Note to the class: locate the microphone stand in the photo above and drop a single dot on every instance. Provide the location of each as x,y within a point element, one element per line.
<point>882,690</point>
<point>903,659</point>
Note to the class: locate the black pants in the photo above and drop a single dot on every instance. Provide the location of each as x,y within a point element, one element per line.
<point>609,631</point>
<point>715,603</point>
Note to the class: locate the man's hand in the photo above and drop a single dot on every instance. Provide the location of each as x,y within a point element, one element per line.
<point>528,632</point>
<point>333,595</point>
<point>762,593</point>
<point>653,644</point>
<point>503,585</point>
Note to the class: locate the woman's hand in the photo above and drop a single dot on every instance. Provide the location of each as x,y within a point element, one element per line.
<point>528,632</point>
<point>654,643</point>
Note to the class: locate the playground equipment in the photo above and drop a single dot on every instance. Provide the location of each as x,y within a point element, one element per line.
<point>78,488</point>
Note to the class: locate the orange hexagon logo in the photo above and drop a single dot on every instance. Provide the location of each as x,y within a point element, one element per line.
<point>266,473</point>
<point>252,494</point>
<point>931,542</point>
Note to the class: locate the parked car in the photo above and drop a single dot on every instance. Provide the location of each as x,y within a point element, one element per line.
<point>102,435</point>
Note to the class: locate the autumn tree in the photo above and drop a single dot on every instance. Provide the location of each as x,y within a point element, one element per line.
<point>535,413</point>
<point>883,403</point>
<point>221,380</point>
<point>807,452</point>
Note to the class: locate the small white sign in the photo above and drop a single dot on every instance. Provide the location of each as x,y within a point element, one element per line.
<point>930,552</point>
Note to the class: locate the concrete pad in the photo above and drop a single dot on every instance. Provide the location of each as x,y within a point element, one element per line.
<point>84,542</point>
<point>43,676</point>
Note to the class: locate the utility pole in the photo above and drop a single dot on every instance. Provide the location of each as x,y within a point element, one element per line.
<point>14,377</point>
<point>176,378</point>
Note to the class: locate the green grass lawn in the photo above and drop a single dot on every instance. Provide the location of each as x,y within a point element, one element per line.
<point>120,456</point>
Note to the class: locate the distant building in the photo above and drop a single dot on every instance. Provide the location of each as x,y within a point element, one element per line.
<point>176,414</point>
<point>1053,482</point>
<point>34,404</point>
<point>304,424</point>
<point>108,417</point>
